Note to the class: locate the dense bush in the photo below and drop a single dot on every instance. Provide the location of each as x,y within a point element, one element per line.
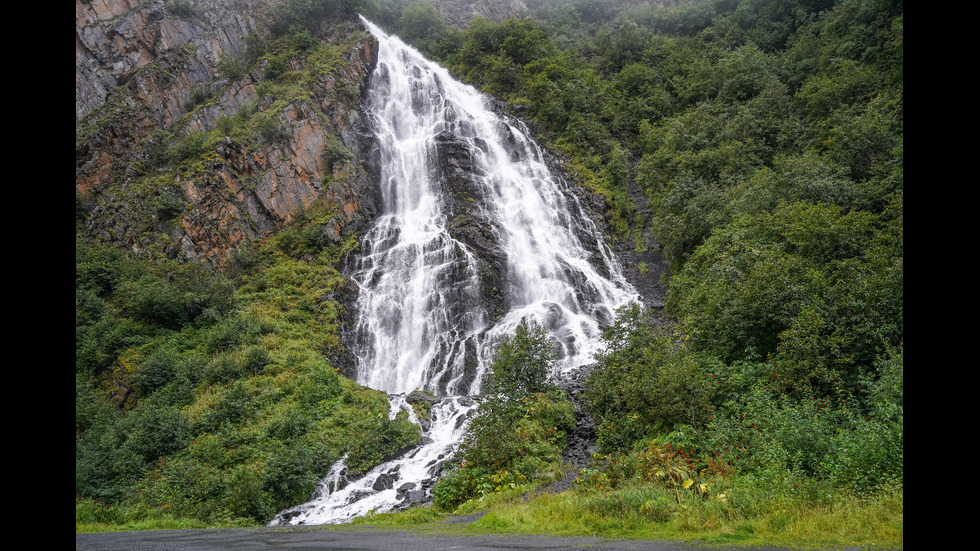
<point>644,381</point>
<point>759,143</point>
<point>522,364</point>
<point>518,433</point>
<point>787,286</point>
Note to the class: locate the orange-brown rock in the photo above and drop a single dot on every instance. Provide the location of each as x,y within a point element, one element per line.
<point>145,79</point>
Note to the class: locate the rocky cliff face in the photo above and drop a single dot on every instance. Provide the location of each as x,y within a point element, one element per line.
<point>194,135</point>
<point>458,13</point>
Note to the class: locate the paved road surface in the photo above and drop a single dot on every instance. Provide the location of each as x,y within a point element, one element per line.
<point>353,539</point>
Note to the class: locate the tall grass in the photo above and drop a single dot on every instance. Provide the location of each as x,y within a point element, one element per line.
<point>93,516</point>
<point>791,511</point>
<point>642,512</point>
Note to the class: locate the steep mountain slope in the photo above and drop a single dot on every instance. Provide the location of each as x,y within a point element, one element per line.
<point>192,137</point>
<point>223,185</point>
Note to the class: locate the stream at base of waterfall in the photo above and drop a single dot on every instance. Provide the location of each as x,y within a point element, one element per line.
<point>423,323</point>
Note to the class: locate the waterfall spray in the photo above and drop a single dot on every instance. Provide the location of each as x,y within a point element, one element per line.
<point>461,253</point>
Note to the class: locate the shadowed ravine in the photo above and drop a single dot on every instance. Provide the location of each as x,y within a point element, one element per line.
<point>475,234</point>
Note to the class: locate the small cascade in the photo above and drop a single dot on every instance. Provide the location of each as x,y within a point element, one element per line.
<point>397,483</point>
<point>475,234</point>
<point>334,481</point>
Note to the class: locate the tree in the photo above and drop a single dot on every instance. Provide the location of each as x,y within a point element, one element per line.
<point>645,381</point>
<point>518,433</point>
<point>523,363</point>
<point>421,21</point>
<point>814,289</point>
<point>518,396</point>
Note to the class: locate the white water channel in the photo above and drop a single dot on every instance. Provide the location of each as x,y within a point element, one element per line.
<point>422,318</point>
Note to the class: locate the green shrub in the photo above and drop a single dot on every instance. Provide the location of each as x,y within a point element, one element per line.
<point>230,333</point>
<point>292,473</point>
<point>180,8</point>
<point>233,67</point>
<point>320,383</point>
<point>158,370</point>
<point>870,455</point>
<point>98,268</point>
<point>867,456</point>
<point>105,467</point>
<point>289,426</point>
<point>254,359</point>
<point>174,295</point>
<point>785,287</point>
<point>275,67</point>
<point>518,432</point>
<point>459,484</point>
<point>334,151</point>
<point>234,406</point>
<point>379,439</point>
<point>154,431</point>
<point>523,363</point>
<point>621,432</point>
<point>645,381</point>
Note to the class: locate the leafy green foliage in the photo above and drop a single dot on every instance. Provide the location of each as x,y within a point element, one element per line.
<point>761,432</point>
<point>421,24</point>
<point>175,297</point>
<point>517,435</point>
<point>334,151</point>
<point>644,381</point>
<point>816,289</point>
<point>206,398</point>
<point>522,363</point>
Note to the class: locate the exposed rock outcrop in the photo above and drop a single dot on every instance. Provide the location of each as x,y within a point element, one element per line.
<point>469,222</point>
<point>139,67</point>
<point>164,94</point>
<point>459,13</point>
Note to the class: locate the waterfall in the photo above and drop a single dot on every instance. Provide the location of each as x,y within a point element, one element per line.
<point>475,234</point>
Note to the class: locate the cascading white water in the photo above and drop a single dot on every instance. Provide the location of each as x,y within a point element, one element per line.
<point>419,305</point>
<point>422,318</point>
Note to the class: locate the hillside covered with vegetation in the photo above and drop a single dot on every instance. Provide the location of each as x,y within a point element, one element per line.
<point>757,144</point>
<point>760,144</point>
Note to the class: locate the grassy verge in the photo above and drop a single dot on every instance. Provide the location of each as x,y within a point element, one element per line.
<point>645,512</point>
<point>92,516</point>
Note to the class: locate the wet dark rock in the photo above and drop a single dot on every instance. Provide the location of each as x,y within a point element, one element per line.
<point>469,222</point>
<point>582,439</point>
<point>289,514</point>
<point>359,495</point>
<point>383,482</point>
<point>421,396</point>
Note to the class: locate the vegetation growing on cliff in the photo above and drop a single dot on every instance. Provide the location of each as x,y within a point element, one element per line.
<point>759,142</point>
<point>223,408</point>
<point>205,396</point>
<point>762,143</point>
<point>518,433</point>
